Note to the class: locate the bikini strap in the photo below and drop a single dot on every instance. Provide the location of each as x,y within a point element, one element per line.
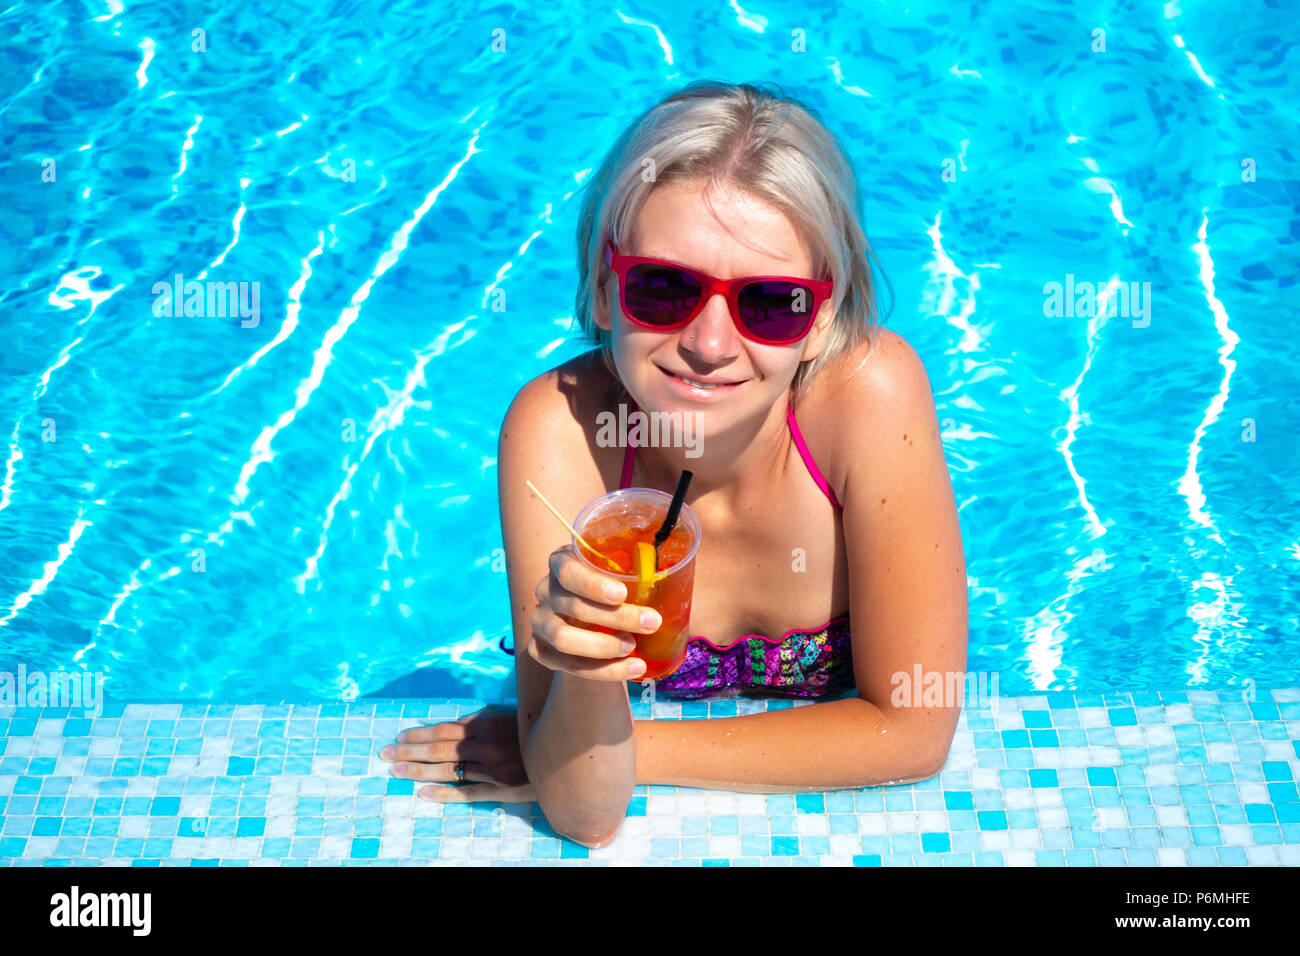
<point>813,470</point>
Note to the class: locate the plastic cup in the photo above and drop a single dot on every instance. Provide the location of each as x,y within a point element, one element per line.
<point>643,510</point>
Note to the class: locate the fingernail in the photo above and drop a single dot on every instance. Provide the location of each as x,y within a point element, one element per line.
<point>628,646</point>
<point>637,667</point>
<point>614,591</point>
<point>401,738</point>
<point>399,770</point>
<point>387,753</point>
<point>650,619</point>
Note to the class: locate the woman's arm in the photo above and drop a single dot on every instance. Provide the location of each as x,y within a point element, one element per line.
<point>575,733</point>
<point>835,745</point>
<point>908,607</point>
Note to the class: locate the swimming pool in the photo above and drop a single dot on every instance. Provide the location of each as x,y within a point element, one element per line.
<point>298,500</point>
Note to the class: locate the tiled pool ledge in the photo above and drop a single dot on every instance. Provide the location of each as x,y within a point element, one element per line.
<point>1198,778</point>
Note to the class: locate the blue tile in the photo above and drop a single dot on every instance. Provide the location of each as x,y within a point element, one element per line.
<point>1015,738</point>
<point>784,846</point>
<point>1283,793</point>
<point>250,827</point>
<point>239,766</point>
<point>867,860</point>
<point>1122,717</point>
<point>992,820</point>
<point>810,803</point>
<point>363,849</point>
<point>165,806</point>
<point>935,843</point>
<point>1101,776</point>
<point>1045,777</point>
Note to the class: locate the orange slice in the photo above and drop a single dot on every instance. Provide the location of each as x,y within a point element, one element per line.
<point>644,569</point>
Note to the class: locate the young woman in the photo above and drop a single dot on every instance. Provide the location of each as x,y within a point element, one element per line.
<point>820,485</point>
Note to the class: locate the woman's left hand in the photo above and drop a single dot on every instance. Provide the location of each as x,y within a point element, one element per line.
<point>487,742</point>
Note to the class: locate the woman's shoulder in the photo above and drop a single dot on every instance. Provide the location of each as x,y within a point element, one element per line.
<point>851,404</point>
<point>557,410</point>
<point>568,394</point>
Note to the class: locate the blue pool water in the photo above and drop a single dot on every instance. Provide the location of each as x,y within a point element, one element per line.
<point>305,505</point>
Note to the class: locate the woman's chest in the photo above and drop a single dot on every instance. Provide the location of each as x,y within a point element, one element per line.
<point>780,567</point>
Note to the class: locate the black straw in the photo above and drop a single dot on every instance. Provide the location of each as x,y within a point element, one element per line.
<point>674,509</point>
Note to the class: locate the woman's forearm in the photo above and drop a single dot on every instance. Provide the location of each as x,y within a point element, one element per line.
<point>833,745</point>
<point>581,756</point>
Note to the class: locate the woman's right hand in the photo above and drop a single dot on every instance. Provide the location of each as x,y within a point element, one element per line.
<point>572,595</point>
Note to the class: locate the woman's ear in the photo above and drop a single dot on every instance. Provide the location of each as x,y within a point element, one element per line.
<point>600,304</point>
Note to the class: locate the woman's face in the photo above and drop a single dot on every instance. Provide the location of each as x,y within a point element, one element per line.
<point>677,223</point>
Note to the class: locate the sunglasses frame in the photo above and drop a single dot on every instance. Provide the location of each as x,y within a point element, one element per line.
<point>728,288</point>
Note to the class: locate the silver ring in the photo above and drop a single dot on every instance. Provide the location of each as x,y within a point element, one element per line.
<point>460,772</point>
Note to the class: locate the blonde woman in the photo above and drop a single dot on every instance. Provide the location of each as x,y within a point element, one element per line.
<point>819,481</point>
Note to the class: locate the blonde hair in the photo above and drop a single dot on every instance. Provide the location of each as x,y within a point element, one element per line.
<point>764,142</point>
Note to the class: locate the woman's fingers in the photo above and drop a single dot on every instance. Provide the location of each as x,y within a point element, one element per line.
<point>437,751</point>
<point>456,730</point>
<point>621,669</point>
<point>442,772</point>
<point>481,793</point>
<point>581,580</point>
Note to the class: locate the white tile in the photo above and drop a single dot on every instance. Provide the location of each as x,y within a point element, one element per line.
<point>1130,736</point>
<point>903,821</point>
<point>1221,752</point>
<point>1026,839</point>
<point>1159,735</point>
<point>725,847</point>
<point>692,804</point>
<point>1161,775</point>
<point>1093,717</point>
<point>845,844</point>
<point>1171,856</point>
<point>1019,798</point>
<point>1048,797</point>
<point>1238,834</point>
<point>1053,817</point>
<point>187,848</point>
<point>722,804</point>
<point>664,826</point>
<point>70,767</point>
<point>1253,793</point>
<point>751,804</point>
<point>283,826</point>
<point>1171,816</point>
<point>1104,757</point>
<point>872,824</point>
<point>1111,817</point>
<point>932,821</point>
<point>995,839</point>
<point>812,824</point>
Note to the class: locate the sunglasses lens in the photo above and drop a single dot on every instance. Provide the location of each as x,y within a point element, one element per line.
<point>660,295</point>
<point>776,311</point>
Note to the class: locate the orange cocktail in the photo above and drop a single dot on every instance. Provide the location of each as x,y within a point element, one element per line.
<point>613,525</point>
